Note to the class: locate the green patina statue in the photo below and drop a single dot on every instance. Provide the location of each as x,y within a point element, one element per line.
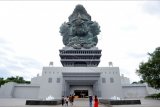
<point>80,31</point>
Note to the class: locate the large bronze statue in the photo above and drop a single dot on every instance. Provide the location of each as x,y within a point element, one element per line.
<point>80,31</point>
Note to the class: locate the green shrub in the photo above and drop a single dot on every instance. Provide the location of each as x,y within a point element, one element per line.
<point>154,96</point>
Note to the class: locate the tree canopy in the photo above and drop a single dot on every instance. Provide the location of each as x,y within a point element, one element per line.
<point>150,71</point>
<point>16,79</point>
<point>139,82</point>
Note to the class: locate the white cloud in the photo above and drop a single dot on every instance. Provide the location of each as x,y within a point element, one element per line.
<point>31,28</point>
<point>152,7</point>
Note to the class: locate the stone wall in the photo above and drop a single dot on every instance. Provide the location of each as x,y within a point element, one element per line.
<point>14,90</point>
<point>134,91</point>
<point>26,91</point>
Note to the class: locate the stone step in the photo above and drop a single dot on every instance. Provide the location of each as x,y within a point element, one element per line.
<point>81,99</point>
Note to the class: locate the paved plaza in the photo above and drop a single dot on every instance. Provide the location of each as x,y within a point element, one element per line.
<point>78,103</point>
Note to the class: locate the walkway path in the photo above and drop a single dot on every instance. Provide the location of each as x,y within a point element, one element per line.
<point>21,103</point>
<point>78,103</point>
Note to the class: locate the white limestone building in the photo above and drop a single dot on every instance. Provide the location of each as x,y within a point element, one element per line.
<point>57,81</point>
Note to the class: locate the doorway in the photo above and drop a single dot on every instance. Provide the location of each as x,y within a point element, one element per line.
<point>81,93</point>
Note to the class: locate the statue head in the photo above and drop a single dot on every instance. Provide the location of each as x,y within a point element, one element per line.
<point>79,12</point>
<point>80,31</point>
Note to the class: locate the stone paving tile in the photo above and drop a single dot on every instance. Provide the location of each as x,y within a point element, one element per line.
<point>21,103</point>
<point>144,103</point>
<point>78,103</point>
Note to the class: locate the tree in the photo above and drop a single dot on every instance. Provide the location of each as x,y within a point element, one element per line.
<point>139,82</point>
<point>16,79</point>
<point>2,81</point>
<point>134,82</point>
<point>150,71</point>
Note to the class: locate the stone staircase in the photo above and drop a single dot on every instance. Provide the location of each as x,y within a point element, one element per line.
<point>81,99</point>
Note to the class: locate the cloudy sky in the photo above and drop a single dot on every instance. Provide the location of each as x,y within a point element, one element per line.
<point>30,38</point>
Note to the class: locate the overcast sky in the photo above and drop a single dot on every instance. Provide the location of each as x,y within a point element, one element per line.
<point>30,38</point>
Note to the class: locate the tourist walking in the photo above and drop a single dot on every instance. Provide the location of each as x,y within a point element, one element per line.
<point>90,100</point>
<point>70,100</point>
<point>62,100</point>
<point>95,101</point>
<point>66,100</point>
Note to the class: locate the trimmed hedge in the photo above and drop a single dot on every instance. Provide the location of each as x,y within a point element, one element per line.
<point>154,96</point>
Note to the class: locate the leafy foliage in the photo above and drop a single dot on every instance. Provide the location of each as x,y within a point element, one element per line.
<point>150,70</point>
<point>139,82</point>
<point>2,81</point>
<point>154,96</point>
<point>16,79</point>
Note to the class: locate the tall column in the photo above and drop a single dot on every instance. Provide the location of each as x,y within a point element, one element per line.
<point>64,88</point>
<point>96,89</point>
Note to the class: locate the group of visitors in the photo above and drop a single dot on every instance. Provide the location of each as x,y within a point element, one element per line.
<point>95,101</point>
<point>68,99</point>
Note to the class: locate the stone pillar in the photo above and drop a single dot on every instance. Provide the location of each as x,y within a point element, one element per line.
<point>99,89</point>
<point>63,88</point>
<point>95,89</point>
<point>67,89</point>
